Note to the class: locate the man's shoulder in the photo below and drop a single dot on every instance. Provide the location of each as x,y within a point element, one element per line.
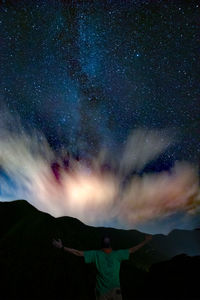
<point>122,253</point>
<point>90,256</point>
<point>119,250</point>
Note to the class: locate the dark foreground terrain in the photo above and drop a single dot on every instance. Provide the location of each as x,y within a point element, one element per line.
<point>31,268</point>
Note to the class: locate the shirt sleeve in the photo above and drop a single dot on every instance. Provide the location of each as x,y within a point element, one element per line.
<point>123,254</point>
<point>89,256</point>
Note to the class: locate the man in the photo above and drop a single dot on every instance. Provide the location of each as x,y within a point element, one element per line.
<point>108,266</point>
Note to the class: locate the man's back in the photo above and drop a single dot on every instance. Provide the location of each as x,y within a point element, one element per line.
<point>108,267</point>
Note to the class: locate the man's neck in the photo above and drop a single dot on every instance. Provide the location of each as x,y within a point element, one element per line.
<point>107,250</point>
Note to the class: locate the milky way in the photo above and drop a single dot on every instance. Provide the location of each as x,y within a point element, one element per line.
<point>84,77</point>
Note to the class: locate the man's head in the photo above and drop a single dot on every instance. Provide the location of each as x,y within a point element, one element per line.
<point>106,242</point>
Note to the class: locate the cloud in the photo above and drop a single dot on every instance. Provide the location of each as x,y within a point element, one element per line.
<point>93,190</point>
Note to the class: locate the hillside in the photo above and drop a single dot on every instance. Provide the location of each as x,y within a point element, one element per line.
<point>31,268</point>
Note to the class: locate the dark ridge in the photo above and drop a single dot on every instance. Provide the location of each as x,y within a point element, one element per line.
<point>31,268</point>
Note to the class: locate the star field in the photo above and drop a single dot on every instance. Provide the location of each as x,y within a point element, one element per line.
<point>99,70</point>
<point>86,74</point>
<point>84,79</point>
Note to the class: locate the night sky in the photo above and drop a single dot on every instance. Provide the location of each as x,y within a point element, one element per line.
<point>87,76</point>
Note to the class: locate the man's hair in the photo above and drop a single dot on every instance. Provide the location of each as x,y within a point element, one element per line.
<point>106,242</point>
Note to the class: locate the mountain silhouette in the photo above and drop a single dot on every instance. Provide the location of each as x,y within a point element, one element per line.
<point>31,268</point>
<point>174,279</point>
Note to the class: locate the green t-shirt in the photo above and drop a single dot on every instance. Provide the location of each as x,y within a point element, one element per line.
<point>108,267</point>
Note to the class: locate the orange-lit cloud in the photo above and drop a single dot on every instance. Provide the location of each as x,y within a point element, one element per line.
<point>90,194</point>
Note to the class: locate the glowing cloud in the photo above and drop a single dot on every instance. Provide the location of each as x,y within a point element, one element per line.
<point>62,185</point>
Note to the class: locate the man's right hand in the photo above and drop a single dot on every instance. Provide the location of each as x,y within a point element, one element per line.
<point>57,243</point>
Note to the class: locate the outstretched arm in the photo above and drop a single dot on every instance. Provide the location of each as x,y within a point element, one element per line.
<point>135,248</point>
<point>59,244</point>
